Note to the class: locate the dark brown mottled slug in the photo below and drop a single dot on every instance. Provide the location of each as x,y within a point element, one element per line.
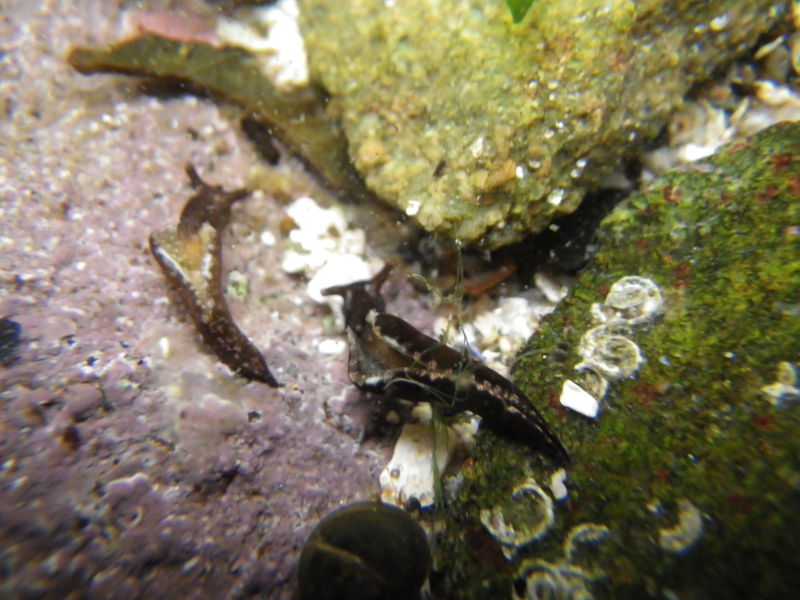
<point>388,355</point>
<point>190,256</point>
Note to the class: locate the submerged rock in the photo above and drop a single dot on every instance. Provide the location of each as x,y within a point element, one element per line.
<point>692,466</point>
<point>485,131</point>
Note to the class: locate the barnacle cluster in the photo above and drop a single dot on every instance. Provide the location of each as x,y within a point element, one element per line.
<point>607,350</point>
<point>527,516</point>
<point>571,577</point>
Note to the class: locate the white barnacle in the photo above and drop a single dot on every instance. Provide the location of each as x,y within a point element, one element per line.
<point>526,517</point>
<point>580,547</point>
<point>596,335</point>
<point>686,531</point>
<point>786,385</point>
<point>611,354</point>
<point>585,533</point>
<point>636,300</point>
<point>593,382</point>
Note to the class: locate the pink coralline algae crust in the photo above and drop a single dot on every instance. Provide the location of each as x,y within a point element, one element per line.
<point>132,463</point>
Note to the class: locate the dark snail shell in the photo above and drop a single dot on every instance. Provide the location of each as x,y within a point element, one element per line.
<point>364,551</point>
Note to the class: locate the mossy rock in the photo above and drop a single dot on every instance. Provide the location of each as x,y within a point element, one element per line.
<point>483,130</point>
<point>699,429</point>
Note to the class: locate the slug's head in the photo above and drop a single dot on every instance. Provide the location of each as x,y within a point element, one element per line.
<point>361,297</point>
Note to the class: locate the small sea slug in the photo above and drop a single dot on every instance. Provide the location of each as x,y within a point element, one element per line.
<point>390,356</point>
<point>190,256</point>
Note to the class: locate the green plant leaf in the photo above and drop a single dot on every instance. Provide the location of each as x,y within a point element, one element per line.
<point>518,8</point>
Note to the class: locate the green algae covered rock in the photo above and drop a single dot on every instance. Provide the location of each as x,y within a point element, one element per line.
<point>687,483</point>
<point>484,130</point>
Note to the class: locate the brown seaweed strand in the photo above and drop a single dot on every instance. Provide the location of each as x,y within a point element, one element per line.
<point>190,256</point>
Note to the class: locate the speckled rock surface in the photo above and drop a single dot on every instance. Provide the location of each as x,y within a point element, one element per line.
<point>485,131</point>
<point>132,463</point>
<point>693,465</point>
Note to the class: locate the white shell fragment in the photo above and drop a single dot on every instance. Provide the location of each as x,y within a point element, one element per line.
<point>555,289</point>
<point>576,398</point>
<point>326,250</point>
<point>721,114</point>
<point>525,518</point>
<point>410,473</point>
<point>499,332</point>
<point>686,532</point>
<point>558,484</point>
<point>272,34</point>
<point>319,234</point>
<point>331,346</point>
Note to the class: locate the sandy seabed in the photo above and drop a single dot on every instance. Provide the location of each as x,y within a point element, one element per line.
<point>132,463</point>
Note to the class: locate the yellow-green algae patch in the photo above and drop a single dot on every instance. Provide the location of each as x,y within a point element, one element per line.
<point>484,130</point>
<point>691,466</point>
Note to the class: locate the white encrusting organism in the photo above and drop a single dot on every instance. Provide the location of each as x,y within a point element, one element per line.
<point>607,351</point>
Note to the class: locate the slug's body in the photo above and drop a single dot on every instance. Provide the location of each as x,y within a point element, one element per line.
<point>388,355</point>
<point>190,256</point>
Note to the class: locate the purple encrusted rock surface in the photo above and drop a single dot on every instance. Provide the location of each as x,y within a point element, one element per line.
<point>132,463</point>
